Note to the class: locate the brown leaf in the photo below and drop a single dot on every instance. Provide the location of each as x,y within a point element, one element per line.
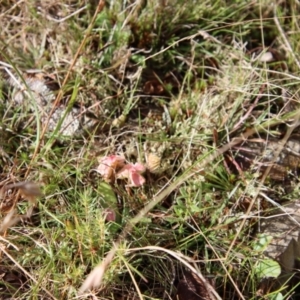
<point>29,190</point>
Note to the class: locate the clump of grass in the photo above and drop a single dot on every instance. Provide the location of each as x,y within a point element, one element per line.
<point>178,81</point>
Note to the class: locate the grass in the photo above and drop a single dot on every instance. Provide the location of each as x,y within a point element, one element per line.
<point>174,83</point>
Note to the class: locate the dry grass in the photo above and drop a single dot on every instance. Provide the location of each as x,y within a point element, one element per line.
<point>179,88</point>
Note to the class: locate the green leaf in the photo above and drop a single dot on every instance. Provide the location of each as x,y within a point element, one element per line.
<point>277,296</point>
<point>107,193</point>
<point>267,268</point>
<point>262,242</point>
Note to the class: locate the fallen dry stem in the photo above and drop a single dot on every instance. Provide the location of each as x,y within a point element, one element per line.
<point>133,280</point>
<point>184,260</point>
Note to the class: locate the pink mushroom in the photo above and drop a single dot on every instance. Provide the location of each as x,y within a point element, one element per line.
<point>133,172</point>
<point>108,166</point>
